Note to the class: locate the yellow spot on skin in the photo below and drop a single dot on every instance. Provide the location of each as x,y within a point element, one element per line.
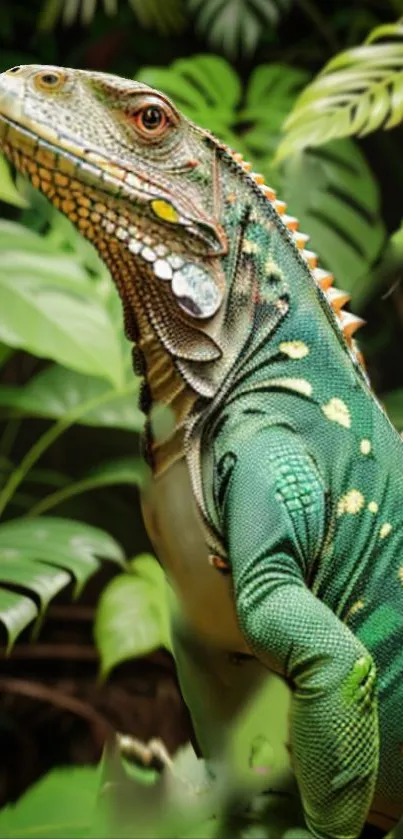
<point>356,607</point>
<point>400,574</point>
<point>231,197</point>
<point>373,507</point>
<point>385,530</point>
<point>337,411</point>
<point>352,502</point>
<point>365,446</point>
<point>299,385</point>
<point>272,268</point>
<point>250,247</point>
<point>164,210</point>
<point>294,349</point>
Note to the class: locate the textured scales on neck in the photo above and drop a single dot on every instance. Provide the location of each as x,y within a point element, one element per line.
<point>194,241</point>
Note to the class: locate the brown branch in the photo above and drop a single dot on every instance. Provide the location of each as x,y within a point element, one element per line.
<point>102,730</point>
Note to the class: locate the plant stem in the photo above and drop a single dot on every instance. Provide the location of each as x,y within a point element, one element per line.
<point>49,437</point>
<point>61,495</point>
<point>9,435</point>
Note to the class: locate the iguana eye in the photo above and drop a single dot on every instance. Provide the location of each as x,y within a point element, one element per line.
<point>49,80</point>
<point>151,120</point>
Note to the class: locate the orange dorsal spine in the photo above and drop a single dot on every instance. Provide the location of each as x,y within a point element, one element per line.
<point>336,298</point>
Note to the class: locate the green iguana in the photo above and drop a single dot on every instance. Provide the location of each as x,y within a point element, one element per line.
<point>276,504</point>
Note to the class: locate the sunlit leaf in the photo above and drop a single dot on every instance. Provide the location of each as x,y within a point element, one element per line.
<point>131,619</point>
<point>43,556</point>
<point>58,806</point>
<point>39,314</point>
<point>358,91</point>
<point>16,613</point>
<point>56,391</point>
<point>42,580</point>
<point>8,191</point>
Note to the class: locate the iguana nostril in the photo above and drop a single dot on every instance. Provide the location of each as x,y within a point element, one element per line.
<point>15,69</point>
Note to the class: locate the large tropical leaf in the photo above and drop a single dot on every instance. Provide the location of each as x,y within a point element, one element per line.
<point>236,26</point>
<point>42,556</point>
<point>50,307</point>
<point>132,616</point>
<point>56,392</point>
<point>332,192</point>
<point>359,91</point>
<point>59,805</point>
<point>8,191</point>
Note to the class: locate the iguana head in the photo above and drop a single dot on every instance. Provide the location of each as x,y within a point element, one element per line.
<point>186,232</point>
<point>140,181</point>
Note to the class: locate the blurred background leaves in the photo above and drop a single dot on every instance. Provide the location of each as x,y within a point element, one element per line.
<point>312,95</point>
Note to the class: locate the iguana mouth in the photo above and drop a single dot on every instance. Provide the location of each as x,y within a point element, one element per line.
<point>95,170</point>
<point>27,149</point>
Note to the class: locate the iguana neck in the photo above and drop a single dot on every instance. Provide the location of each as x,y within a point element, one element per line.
<point>162,385</point>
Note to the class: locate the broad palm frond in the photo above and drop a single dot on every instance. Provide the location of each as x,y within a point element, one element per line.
<point>42,556</point>
<point>359,91</point>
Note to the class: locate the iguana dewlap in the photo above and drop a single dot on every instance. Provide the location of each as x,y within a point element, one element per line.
<point>282,468</point>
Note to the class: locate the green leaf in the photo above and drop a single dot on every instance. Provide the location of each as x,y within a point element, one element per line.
<point>30,552</point>
<point>5,354</point>
<point>58,806</point>
<point>236,26</point>
<point>16,613</point>
<point>48,307</point>
<point>359,91</point>
<point>334,195</point>
<point>125,470</point>
<point>8,191</point>
<point>55,392</point>
<point>43,580</point>
<point>131,619</point>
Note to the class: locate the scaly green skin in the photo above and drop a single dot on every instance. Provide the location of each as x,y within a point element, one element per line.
<point>296,472</point>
